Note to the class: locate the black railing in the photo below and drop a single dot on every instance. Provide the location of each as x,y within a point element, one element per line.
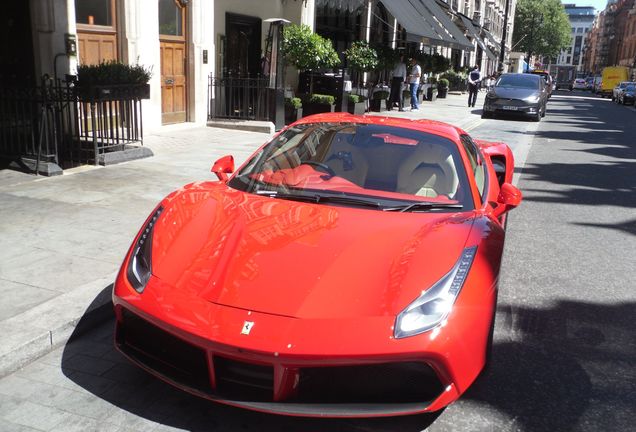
<point>56,123</point>
<point>239,98</point>
<point>108,124</point>
<point>38,123</point>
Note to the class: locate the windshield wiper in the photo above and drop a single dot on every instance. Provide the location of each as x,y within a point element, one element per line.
<point>424,206</point>
<point>315,198</point>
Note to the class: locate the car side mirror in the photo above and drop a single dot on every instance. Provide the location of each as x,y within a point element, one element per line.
<point>509,197</point>
<point>223,166</point>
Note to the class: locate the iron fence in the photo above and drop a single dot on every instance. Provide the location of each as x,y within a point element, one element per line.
<point>50,123</point>
<point>239,98</point>
<point>38,122</point>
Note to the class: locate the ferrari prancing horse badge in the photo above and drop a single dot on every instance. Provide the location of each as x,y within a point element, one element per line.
<point>247,327</point>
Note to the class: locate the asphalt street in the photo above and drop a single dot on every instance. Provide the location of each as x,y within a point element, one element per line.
<point>564,355</point>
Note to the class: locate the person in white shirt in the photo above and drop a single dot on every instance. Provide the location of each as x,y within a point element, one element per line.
<point>399,77</point>
<point>414,83</point>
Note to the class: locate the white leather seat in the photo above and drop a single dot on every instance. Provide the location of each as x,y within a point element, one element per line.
<point>429,171</point>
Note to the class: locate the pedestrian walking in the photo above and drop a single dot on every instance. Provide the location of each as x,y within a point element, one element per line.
<point>474,80</point>
<point>397,82</point>
<point>414,83</point>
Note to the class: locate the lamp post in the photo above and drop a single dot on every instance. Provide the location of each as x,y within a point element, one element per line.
<point>504,35</point>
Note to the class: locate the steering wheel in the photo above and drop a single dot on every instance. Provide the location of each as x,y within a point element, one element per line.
<point>324,167</point>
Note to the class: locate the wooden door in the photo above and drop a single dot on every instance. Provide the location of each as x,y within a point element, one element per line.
<point>172,41</point>
<point>173,82</point>
<point>96,31</point>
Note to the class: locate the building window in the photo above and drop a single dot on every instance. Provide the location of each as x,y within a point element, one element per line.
<point>568,59</point>
<point>94,12</point>
<point>579,30</point>
<point>170,18</point>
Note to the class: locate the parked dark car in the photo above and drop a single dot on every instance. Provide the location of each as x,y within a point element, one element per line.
<point>517,93</point>
<point>627,95</point>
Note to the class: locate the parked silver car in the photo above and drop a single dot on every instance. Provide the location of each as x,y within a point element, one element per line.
<point>517,93</point>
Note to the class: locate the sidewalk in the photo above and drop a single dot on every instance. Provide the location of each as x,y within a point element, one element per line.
<point>62,239</point>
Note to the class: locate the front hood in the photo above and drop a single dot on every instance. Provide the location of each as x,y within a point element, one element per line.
<point>301,260</point>
<point>514,93</point>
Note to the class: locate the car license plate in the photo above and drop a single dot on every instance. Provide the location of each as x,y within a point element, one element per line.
<point>510,108</point>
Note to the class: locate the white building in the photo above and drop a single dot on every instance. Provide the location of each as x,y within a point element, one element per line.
<point>581,21</point>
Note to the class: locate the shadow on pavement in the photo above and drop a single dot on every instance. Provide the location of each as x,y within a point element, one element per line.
<point>568,367</point>
<point>556,366</point>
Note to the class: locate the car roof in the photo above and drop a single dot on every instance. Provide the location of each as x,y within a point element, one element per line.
<point>424,125</point>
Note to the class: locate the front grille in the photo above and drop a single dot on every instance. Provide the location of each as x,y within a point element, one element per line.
<point>243,381</point>
<point>187,365</point>
<point>379,383</point>
<point>162,352</point>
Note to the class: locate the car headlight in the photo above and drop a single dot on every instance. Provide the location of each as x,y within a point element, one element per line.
<point>532,99</point>
<point>433,305</point>
<point>140,263</point>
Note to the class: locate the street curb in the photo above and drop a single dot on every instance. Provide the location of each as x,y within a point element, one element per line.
<point>36,332</point>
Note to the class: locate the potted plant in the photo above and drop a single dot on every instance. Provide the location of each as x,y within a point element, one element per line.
<point>318,103</point>
<point>442,87</point>
<point>431,91</point>
<point>293,109</point>
<point>307,51</point>
<point>357,104</point>
<point>377,98</point>
<point>113,80</point>
<point>361,58</point>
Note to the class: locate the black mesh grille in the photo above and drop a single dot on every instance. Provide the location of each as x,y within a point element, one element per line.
<point>243,381</point>
<point>160,351</point>
<point>380,383</point>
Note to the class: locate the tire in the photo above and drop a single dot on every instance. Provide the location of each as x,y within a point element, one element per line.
<point>543,112</point>
<point>536,117</point>
<point>485,115</point>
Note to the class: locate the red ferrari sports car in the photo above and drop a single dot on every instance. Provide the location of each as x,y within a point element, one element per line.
<point>348,269</point>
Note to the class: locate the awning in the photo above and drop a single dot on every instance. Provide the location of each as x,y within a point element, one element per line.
<point>418,28</point>
<point>474,33</point>
<point>444,21</point>
<point>491,39</point>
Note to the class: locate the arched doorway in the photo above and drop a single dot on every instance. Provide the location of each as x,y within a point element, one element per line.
<point>172,42</point>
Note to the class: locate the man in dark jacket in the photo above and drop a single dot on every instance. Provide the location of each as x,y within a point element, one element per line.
<point>474,79</point>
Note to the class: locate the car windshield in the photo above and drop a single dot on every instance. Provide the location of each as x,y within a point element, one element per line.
<point>520,81</point>
<point>360,165</point>
<point>630,88</point>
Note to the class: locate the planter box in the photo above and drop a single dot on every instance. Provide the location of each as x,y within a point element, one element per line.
<point>292,115</point>
<point>317,108</point>
<point>357,108</point>
<point>431,94</point>
<point>376,104</point>
<point>442,92</point>
<point>98,93</point>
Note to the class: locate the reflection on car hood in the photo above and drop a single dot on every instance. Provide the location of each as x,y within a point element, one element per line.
<point>301,260</point>
<point>514,93</point>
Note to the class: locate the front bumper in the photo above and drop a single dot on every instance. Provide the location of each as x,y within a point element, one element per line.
<point>511,106</point>
<point>296,367</point>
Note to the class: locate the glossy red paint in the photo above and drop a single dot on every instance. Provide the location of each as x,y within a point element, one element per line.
<point>321,284</point>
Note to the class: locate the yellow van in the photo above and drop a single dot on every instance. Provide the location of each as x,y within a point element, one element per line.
<point>612,76</point>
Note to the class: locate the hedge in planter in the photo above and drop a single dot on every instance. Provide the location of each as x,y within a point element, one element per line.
<point>442,87</point>
<point>357,104</point>
<point>113,80</point>
<point>293,110</point>
<point>318,103</point>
